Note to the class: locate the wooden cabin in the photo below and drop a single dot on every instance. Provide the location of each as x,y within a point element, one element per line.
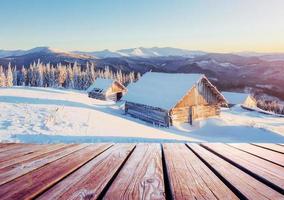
<point>166,99</point>
<point>106,89</point>
<point>243,99</point>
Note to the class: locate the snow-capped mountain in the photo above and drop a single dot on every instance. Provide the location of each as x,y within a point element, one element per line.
<point>99,54</point>
<point>156,51</point>
<point>36,50</point>
<point>132,52</point>
<point>143,52</point>
<point>9,53</point>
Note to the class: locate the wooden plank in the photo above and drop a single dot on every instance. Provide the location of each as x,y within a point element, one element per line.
<point>190,178</point>
<point>243,184</point>
<point>271,156</point>
<point>2,145</point>
<point>32,184</point>
<point>267,171</point>
<point>141,177</point>
<point>91,179</point>
<point>272,147</point>
<point>12,146</point>
<point>20,151</point>
<point>37,152</point>
<point>13,171</point>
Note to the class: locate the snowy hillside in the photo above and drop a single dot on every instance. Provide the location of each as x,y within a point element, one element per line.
<point>45,115</point>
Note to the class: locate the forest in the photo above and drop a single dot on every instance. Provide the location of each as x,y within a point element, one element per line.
<point>71,76</point>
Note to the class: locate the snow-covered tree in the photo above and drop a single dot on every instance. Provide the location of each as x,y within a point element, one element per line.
<point>15,76</point>
<point>52,77</point>
<point>38,74</point>
<point>77,76</point>
<point>9,76</point>
<point>69,82</point>
<point>22,76</point>
<point>2,77</point>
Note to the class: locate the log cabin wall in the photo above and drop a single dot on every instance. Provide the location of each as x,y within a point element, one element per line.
<point>202,112</point>
<point>149,114</point>
<point>200,102</point>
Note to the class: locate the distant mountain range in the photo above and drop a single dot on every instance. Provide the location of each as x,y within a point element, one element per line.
<point>244,71</point>
<point>134,52</point>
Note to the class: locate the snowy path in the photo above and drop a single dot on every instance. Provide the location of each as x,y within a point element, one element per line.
<point>47,115</point>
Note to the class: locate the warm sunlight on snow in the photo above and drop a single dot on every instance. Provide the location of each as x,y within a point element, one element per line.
<point>52,115</point>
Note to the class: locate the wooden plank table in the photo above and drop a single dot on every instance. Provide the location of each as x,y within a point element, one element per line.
<point>259,168</point>
<point>273,147</point>
<point>141,171</point>
<point>271,156</point>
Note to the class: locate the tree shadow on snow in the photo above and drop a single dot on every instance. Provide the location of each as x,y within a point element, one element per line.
<point>39,89</point>
<point>211,132</point>
<point>40,101</point>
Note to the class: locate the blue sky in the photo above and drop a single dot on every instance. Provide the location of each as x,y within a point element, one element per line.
<point>210,25</point>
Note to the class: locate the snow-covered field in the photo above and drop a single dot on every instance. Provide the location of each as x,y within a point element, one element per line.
<point>44,115</point>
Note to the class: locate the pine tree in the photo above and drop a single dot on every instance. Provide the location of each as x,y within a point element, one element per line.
<point>9,76</point>
<point>38,74</point>
<point>15,76</point>
<point>2,77</point>
<point>69,82</point>
<point>46,76</point>
<point>77,76</point>
<point>52,77</point>
<point>138,75</point>
<point>22,76</point>
<point>30,76</point>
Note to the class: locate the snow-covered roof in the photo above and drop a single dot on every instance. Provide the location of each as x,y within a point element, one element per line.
<point>161,90</point>
<point>101,83</point>
<point>235,98</point>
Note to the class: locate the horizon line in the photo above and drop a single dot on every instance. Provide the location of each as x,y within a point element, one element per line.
<point>125,48</point>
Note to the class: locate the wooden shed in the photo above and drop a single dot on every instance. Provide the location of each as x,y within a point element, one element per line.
<point>244,99</point>
<point>106,89</point>
<point>165,99</point>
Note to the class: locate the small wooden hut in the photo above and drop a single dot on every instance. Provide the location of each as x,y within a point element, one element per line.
<point>243,99</point>
<point>106,89</point>
<point>165,99</point>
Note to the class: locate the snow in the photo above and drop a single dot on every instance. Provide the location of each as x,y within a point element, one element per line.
<point>100,83</point>
<point>235,98</point>
<point>45,115</point>
<point>161,89</point>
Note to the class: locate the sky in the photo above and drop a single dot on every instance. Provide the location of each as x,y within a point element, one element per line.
<point>88,25</point>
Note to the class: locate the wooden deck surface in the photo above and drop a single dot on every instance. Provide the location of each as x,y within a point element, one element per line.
<point>142,171</point>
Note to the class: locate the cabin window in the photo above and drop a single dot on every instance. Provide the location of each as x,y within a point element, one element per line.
<point>98,90</point>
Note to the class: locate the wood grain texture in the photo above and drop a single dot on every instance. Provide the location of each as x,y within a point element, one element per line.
<point>13,171</point>
<point>34,183</point>
<point>32,154</point>
<point>244,183</point>
<point>2,145</point>
<point>271,156</point>
<point>141,177</point>
<point>89,181</point>
<point>5,148</point>
<point>267,170</point>
<point>21,151</point>
<point>190,178</point>
<point>272,147</point>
